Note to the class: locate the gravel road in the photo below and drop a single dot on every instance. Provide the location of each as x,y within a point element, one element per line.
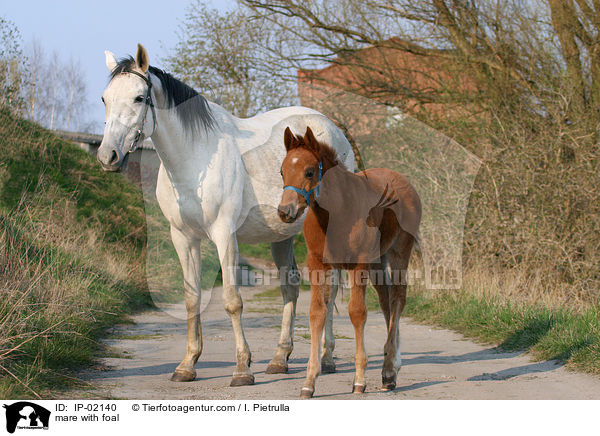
<point>437,363</point>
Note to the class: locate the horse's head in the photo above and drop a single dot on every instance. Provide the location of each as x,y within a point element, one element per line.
<point>127,99</point>
<point>302,170</point>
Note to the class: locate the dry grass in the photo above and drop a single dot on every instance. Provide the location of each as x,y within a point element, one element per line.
<point>59,284</point>
<point>71,259</point>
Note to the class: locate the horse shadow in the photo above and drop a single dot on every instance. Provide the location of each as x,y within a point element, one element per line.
<point>435,358</point>
<point>153,370</point>
<point>505,374</point>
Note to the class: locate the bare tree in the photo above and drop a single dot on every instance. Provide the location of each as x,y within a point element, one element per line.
<point>76,92</point>
<point>53,84</point>
<point>36,61</point>
<point>510,48</point>
<point>55,90</point>
<point>12,68</point>
<point>218,52</point>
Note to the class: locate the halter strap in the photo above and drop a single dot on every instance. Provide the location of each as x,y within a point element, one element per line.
<point>306,194</point>
<point>142,120</point>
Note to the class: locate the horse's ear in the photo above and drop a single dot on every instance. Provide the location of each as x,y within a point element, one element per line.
<point>310,140</point>
<point>141,58</point>
<point>289,139</point>
<point>111,60</point>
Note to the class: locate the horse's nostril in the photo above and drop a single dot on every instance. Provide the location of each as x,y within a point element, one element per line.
<point>114,158</point>
<point>284,211</point>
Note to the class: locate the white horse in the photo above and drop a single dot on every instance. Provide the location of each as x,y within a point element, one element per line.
<point>219,179</point>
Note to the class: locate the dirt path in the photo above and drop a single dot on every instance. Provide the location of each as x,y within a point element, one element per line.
<point>437,363</point>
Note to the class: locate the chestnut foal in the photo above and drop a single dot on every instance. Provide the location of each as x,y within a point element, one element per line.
<point>365,223</point>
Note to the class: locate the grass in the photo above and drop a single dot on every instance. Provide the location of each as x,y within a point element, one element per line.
<point>263,251</point>
<point>269,293</point>
<point>272,310</point>
<point>72,258</point>
<point>570,335</point>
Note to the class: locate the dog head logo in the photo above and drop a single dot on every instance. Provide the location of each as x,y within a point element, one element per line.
<point>26,415</point>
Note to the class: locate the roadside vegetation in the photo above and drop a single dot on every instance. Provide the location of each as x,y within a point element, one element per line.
<point>72,258</point>
<point>482,310</point>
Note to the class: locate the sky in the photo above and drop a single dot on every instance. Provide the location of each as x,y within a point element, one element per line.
<point>84,29</point>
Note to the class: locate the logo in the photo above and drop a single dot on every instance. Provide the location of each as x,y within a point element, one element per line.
<point>26,415</point>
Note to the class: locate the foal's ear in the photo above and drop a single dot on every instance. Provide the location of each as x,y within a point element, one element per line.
<point>289,139</point>
<point>111,60</point>
<point>310,140</point>
<point>141,58</point>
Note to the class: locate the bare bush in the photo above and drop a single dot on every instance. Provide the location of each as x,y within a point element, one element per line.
<point>515,82</point>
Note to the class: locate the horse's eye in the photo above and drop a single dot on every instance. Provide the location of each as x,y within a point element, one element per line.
<point>102,98</point>
<point>139,99</point>
<point>309,173</point>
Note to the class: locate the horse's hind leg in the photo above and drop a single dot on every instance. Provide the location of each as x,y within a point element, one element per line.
<point>188,251</point>
<point>283,255</point>
<point>327,363</point>
<point>358,315</point>
<point>380,280</point>
<point>398,258</point>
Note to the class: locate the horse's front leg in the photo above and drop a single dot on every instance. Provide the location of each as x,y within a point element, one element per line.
<point>283,255</point>
<point>317,314</point>
<point>189,254</point>
<point>225,239</point>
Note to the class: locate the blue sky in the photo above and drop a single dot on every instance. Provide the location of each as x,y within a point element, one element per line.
<point>84,29</point>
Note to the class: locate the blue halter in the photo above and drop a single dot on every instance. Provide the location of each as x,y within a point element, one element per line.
<point>304,192</point>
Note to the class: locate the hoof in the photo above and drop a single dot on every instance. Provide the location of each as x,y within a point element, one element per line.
<point>242,380</point>
<point>359,389</point>
<point>306,393</point>
<point>276,368</point>
<point>183,376</point>
<point>327,367</point>
<point>388,386</point>
<point>388,383</point>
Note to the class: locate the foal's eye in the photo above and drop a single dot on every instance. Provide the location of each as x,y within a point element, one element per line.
<point>309,173</point>
<point>139,99</point>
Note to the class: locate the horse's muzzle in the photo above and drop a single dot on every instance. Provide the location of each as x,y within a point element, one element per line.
<point>288,213</point>
<point>111,159</point>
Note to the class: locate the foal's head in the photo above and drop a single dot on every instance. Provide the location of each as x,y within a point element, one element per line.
<point>302,169</point>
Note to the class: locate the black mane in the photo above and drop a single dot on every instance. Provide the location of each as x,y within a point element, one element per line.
<point>191,107</point>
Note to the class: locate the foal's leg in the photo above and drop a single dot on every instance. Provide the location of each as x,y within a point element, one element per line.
<point>188,251</point>
<point>327,363</point>
<point>283,255</point>
<point>358,315</point>
<point>398,256</point>
<point>379,280</point>
<point>318,310</point>
<point>225,239</point>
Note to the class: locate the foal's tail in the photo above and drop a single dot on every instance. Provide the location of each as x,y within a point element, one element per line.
<point>418,240</point>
